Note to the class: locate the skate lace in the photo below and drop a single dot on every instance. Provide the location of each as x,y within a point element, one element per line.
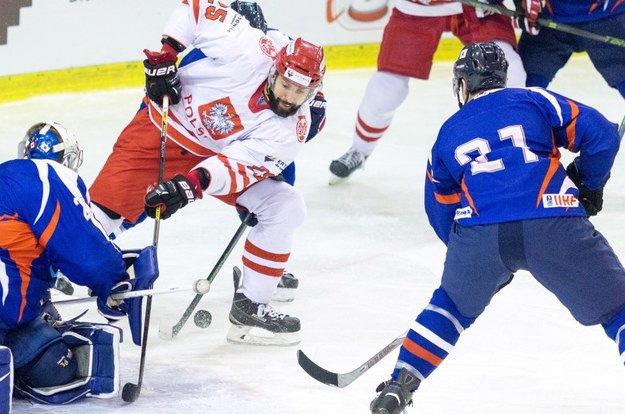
<point>267,310</point>
<point>352,158</point>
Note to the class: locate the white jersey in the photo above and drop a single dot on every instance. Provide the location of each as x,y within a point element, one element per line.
<point>223,109</point>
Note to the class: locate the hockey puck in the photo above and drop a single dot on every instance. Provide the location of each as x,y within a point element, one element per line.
<point>202,318</point>
<point>201,286</point>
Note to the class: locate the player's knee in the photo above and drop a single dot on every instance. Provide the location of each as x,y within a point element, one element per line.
<point>54,366</point>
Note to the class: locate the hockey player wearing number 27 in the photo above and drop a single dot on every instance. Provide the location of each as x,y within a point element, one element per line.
<point>497,195</point>
<point>239,114</point>
<point>47,226</point>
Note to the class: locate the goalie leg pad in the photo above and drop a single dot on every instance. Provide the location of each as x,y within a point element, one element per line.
<point>95,348</point>
<point>6,379</point>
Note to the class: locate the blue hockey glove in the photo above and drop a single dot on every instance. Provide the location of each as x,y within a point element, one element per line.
<point>592,200</point>
<point>143,271</point>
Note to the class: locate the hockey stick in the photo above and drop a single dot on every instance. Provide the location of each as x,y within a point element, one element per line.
<point>621,128</point>
<point>125,295</point>
<point>131,391</point>
<point>171,333</point>
<point>547,23</point>
<point>343,380</point>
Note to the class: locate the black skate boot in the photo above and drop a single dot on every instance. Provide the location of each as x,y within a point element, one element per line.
<point>49,313</point>
<point>395,395</point>
<point>285,292</point>
<point>346,164</point>
<point>248,317</point>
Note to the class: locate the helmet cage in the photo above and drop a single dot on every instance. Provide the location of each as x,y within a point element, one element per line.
<point>51,141</point>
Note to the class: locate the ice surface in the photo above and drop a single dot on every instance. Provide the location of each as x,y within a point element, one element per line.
<point>367,263</point>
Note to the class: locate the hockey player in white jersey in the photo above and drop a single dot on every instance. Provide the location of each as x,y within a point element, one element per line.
<point>239,114</point>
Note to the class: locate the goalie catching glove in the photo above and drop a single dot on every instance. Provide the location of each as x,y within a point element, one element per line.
<point>176,193</point>
<point>592,200</point>
<point>142,267</point>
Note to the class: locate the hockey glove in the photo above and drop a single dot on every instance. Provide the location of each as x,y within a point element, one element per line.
<point>242,212</point>
<point>252,12</point>
<point>527,15</point>
<point>176,193</point>
<point>592,200</point>
<point>161,77</point>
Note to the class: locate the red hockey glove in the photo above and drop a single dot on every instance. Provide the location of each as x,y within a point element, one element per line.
<point>161,76</point>
<point>527,15</point>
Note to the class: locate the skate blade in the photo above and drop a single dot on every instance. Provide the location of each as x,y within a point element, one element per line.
<point>249,335</point>
<point>335,179</point>
<point>283,295</point>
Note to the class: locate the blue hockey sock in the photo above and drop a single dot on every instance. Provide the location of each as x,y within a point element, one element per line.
<point>615,329</point>
<point>432,336</point>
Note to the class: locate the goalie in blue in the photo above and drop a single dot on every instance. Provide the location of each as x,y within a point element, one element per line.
<point>47,226</point>
<point>497,195</point>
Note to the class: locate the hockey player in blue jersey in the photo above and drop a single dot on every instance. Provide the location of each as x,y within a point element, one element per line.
<point>498,197</point>
<point>544,51</point>
<point>46,226</point>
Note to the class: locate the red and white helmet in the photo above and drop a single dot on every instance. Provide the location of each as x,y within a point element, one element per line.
<point>301,62</point>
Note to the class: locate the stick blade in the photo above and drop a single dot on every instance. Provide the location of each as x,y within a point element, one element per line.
<point>320,374</point>
<point>130,392</point>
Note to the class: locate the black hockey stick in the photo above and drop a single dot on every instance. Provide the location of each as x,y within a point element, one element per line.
<point>547,23</point>
<point>171,333</point>
<point>131,391</point>
<point>343,380</point>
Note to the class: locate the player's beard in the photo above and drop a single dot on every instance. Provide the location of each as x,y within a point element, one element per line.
<point>274,105</point>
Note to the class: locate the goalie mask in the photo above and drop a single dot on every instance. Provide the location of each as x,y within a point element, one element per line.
<point>51,141</point>
<point>482,66</point>
<point>295,77</point>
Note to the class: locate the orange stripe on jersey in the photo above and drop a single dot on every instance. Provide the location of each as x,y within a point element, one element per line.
<point>49,231</point>
<point>465,190</point>
<point>447,199</point>
<point>196,9</point>
<point>178,137</point>
<point>421,352</point>
<point>233,178</point>
<point>571,128</point>
<point>243,172</point>
<point>18,239</point>
<point>618,3</point>
<point>264,254</point>
<point>554,163</point>
<point>265,270</point>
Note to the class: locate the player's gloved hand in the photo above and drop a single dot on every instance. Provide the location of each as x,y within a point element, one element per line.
<point>161,76</point>
<point>114,310</point>
<point>242,212</point>
<point>592,200</point>
<point>527,15</point>
<point>176,193</point>
<point>252,12</point>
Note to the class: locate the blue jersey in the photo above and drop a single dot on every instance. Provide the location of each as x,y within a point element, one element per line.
<point>497,159</point>
<point>46,222</point>
<point>580,11</point>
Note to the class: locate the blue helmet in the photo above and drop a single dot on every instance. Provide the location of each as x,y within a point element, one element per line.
<point>51,141</point>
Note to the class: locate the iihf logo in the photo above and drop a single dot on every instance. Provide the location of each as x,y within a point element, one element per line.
<point>559,200</point>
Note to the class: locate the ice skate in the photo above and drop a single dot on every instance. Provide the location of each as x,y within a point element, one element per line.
<point>346,164</point>
<point>285,292</point>
<point>49,313</point>
<point>258,323</point>
<point>395,395</point>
